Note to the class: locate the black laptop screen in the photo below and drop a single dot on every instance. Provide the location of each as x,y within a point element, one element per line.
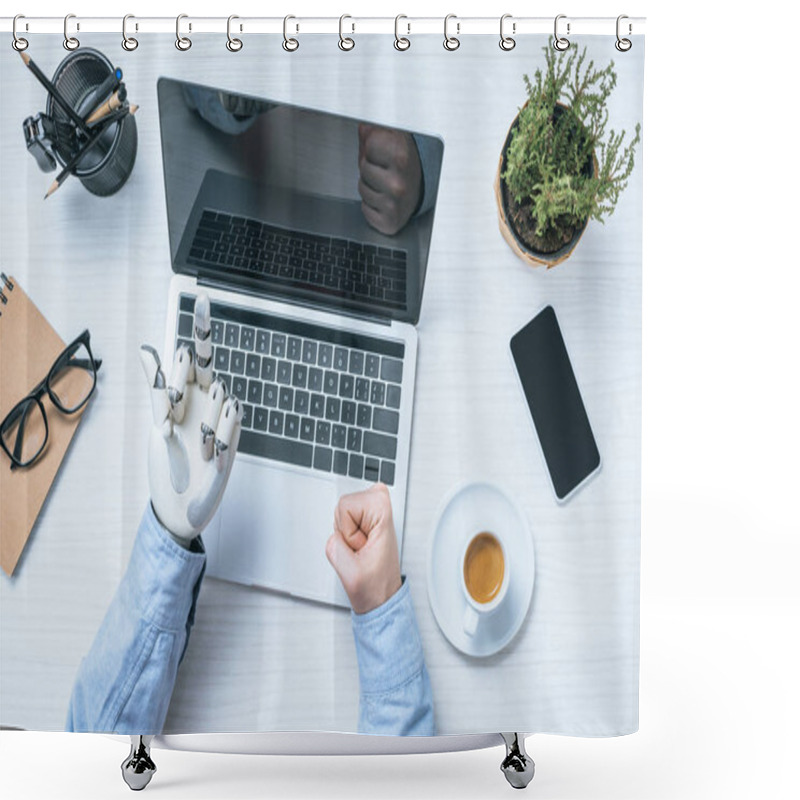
<point>297,203</point>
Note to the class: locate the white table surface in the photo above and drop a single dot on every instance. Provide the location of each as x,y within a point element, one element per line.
<point>259,661</point>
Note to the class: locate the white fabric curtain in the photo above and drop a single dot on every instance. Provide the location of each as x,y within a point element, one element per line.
<point>562,654</point>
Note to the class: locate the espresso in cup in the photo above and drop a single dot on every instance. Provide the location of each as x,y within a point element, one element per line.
<point>484,568</point>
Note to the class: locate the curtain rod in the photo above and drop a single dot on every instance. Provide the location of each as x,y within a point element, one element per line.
<point>404,25</point>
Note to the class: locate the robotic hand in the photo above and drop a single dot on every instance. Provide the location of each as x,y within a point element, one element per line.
<point>195,433</point>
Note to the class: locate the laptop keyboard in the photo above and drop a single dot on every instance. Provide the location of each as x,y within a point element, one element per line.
<point>341,267</point>
<point>313,396</point>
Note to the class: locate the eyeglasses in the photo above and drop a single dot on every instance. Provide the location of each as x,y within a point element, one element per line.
<point>69,385</point>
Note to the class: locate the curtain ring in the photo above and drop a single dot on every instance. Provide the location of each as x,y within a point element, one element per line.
<point>401,42</point>
<point>70,42</point>
<point>128,42</point>
<point>560,43</point>
<point>345,42</point>
<point>233,44</point>
<point>507,42</point>
<point>289,44</point>
<point>451,43</point>
<point>623,45</point>
<point>183,43</point>
<point>19,43</point>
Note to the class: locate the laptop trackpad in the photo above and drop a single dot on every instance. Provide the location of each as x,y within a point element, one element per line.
<point>275,524</point>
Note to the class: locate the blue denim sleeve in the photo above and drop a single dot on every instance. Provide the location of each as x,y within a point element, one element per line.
<point>125,683</point>
<point>395,690</point>
<point>430,158</point>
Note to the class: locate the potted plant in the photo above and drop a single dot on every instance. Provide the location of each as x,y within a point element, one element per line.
<point>559,168</point>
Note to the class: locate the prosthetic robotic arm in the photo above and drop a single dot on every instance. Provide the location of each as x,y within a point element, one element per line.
<point>192,445</point>
<point>195,433</point>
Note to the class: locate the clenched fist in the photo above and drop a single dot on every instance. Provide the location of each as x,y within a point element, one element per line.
<point>390,182</point>
<point>363,548</point>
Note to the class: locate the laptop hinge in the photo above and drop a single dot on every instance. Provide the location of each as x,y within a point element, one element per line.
<point>204,280</point>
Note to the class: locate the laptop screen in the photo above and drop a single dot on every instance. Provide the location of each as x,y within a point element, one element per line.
<point>296,203</point>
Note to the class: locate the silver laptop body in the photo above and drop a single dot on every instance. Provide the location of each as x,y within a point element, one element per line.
<point>324,364</point>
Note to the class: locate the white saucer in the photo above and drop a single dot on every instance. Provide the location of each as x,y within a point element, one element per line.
<point>470,509</point>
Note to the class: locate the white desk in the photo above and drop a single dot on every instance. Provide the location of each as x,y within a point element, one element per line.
<point>258,661</point>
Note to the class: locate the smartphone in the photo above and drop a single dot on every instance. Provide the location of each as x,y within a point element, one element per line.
<point>555,402</point>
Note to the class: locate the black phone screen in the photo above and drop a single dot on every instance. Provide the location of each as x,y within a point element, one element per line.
<point>555,402</point>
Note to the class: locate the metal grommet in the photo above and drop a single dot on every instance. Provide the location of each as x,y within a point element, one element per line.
<point>128,42</point>
<point>507,42</point>
<point>451,42</point>
<point>623,45</point>
<point>19,43</point>
<point>233,44</point>
<point>289,44</point>
<point>70,42</point>
<point>560,43</point>
<point>183,43</point>
<point>401,42</point>
<point>345,42</point>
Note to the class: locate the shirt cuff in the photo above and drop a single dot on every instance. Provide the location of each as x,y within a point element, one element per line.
<point>430,159</point>
<point>162,575</point>
<point>388,645</point>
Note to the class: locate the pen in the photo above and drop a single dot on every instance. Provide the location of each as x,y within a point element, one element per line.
<point>53,92</point>
<point>75,160</point>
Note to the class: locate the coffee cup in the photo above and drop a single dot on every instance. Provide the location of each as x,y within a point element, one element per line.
<point>484,577</point>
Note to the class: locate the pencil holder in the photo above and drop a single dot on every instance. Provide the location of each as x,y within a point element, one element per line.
<point>104,169</point>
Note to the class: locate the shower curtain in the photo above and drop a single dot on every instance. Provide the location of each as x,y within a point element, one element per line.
<point>424,276</point>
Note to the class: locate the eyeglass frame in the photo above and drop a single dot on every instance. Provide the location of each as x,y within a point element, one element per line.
<point>42,388</point>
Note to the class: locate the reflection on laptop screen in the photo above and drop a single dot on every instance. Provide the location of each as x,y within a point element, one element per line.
<point>297,203</point>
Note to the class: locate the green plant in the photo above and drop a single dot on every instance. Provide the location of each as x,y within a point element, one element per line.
<point>561,168</point>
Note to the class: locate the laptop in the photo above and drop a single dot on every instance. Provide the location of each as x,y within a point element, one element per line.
<point>314,300</point>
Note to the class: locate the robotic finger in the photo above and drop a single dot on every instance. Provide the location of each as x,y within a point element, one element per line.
<point>182,374</point>
<point>211,415</point>
<point>207,499</point>
<point>158,386</point>
<point>227,439</point>
<point>202,340</point>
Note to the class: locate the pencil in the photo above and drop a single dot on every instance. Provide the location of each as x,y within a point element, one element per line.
<point>53,92</point>
<point>109,85</point>
<point>112,104</point>
<point>75,160</point>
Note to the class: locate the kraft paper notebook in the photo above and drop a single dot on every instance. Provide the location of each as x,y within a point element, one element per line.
<point>28,348</point>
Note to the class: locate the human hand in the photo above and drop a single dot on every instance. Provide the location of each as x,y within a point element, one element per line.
<point>390,179</point>
<point>195,432</point>
<point>363,548</point>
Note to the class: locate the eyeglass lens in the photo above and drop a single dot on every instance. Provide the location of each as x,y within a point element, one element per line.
<point>24,431</point>
<point>72,379</point>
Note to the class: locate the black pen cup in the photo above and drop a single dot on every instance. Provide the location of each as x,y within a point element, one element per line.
<point>104,169</point>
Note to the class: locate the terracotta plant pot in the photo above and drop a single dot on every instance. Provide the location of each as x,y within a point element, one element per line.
<point>515,241</point>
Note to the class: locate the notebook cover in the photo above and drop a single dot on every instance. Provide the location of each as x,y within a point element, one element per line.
<point>28,348</point>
